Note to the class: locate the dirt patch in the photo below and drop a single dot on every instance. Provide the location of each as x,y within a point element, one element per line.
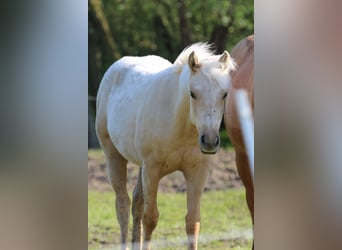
<point>223,175</point>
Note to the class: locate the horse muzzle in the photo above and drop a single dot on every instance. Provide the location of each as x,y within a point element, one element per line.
<point>209,144</point>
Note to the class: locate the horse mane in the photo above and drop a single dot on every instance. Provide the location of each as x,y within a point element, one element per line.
<point>202,50</point>
<point>204,53</point>
<point>210,63</point>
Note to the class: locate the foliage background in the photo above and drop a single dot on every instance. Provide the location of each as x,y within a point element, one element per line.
<point>162,27</point>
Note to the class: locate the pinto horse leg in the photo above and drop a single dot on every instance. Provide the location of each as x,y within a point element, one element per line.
<point>117,171</point>
<point>196,178</point>
<point>246,177</point>
<point>137,211</point>
<point>242,165</point>
<point>150,182</point>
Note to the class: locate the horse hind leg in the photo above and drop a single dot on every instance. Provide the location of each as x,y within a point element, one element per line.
<point>117,172</point>
<point>137,211</point>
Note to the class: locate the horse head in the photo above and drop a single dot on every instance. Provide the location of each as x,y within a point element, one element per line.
<point>209,82</point>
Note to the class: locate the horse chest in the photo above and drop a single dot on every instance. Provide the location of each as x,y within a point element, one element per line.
<point>180,159</point>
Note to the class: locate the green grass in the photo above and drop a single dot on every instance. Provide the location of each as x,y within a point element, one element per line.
<point>225,220</point>
<point>225,141</point>
<point>96,153</point>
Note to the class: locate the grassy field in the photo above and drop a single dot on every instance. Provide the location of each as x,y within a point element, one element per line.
<point>225,221</point>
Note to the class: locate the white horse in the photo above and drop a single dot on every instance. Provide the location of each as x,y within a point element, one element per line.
<point>163,117</point>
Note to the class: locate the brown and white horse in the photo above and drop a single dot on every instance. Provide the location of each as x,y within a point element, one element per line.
<point>242,78</point>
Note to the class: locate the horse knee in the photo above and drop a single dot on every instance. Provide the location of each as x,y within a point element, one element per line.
<point>150,221</point>
<point>192,218</point>
<point>122,203</point>
<point>192,223</point>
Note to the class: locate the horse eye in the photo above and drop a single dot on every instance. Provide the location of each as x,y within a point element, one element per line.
<point>225,95</point>
<point>192,95</point>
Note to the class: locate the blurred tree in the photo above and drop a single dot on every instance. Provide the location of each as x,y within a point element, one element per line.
<point>183,24</point>
<point>100,44</point>
<point>162,27</point>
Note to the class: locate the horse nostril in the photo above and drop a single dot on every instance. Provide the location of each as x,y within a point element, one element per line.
<point>202,139</point>
<point>217,142</point>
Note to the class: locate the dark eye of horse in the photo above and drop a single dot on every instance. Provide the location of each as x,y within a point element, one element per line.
<point>225,95</point>
<point>192,95</point>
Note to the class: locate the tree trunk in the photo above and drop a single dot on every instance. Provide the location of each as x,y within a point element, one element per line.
<point>220,33</point>
<point>219,37</point>
<point>163,38</point>
<point>183,24</point>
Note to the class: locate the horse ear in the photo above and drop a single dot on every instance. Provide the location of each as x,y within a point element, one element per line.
<point>224,59</point>
<point>193,62</point>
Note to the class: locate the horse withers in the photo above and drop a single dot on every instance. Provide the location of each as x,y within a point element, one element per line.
<point>163,117</point>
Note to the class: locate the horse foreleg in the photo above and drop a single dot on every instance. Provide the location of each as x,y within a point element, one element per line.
<point>196,179</point>
<point>150,181</point>
<point>137,211</point>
